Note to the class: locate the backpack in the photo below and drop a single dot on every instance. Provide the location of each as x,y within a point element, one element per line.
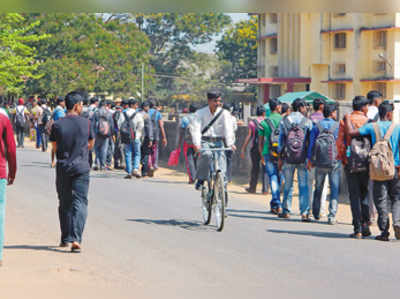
<point>325,151</point>
<point>116,117</point>
<point>103,125</point>
<point>127,131</point>
<point>20,118</point>
<point>381,159</point>
<point>273,141</point>
<point>358,154</point>
<point>46,116</point>
<point>256,136</point>
<point>295,149</point>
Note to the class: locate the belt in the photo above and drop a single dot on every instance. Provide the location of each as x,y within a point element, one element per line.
<point>212,139</point>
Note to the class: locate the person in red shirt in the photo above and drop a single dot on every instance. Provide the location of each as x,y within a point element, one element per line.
<point>7,156</point>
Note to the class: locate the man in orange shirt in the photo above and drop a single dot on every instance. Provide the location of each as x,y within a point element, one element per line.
<point>356,168</point>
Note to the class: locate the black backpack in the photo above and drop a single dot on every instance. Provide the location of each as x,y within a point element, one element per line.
<point>273,140</point>
<point>358,154</point>
<point>20,118</point>
<point>46,116</point>
<point>256,135</point>
<point>127,131</point>
<point>325,151</point>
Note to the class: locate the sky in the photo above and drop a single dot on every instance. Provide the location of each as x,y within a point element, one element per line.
<point>210,47</point>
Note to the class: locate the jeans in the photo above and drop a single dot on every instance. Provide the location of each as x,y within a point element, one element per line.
<point>73,201</point>
<point>20,131</point>
<point>38,136</point>
<point>3,183</point>
<point>44,137</point>
<point>146,152</point>
<point>153,158</point>
<point>101,147</point>
<point>358,189</point>
<point>311,184</point>
<point>205,160</point>
<point>132,156</point>
<point>271,168</point>
<point>334,183</point>
<point>190,160</point>
<point>302,177</point>
<point>255,172</point>
<point>386,195</point>
<point>110,151</point>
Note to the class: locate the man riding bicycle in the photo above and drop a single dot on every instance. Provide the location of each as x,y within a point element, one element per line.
<point>211,128</point>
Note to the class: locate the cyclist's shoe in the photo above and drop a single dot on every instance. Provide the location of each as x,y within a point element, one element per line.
<point>199,184</point>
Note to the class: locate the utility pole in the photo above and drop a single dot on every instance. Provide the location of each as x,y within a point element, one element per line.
<point>142,82</point>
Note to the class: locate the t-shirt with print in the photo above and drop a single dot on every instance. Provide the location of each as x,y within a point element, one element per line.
<point>368,129</point>
<point>266,130</point>
<point>72,134</point>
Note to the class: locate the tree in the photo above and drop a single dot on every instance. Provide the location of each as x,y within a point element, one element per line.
<point>238,46</point>
<point>88,53</point>
<point>17,53</point>
<point>173,37</point>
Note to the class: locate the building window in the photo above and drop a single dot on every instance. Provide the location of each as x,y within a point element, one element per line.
<point>340,68</point>
<point>341,14</point>
<point>340,91</point>
<point>340,40</point>
<point>381,87</point>
<point>273,45</point>
<point>380,39</point>
<point>275,91</point>
<point>273,18</point>
<point>274,71</point>
<point>380,66</point>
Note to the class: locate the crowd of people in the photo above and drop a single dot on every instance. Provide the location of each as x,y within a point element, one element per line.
<point>364,144</point>
<point>102,135</point>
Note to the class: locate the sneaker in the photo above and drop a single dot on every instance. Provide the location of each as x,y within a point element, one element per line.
<point>306,218</point>
<point>248,190</point>
<point>396,231</point>
<point>331,221</point>
<point>128,177</point>
<point>136,173</point>
<point>284,215</point>
<point>357,236</point>
<point>198,185</point>
<point>365,231</point>
<point>95,168</point>
<point>382,237</point>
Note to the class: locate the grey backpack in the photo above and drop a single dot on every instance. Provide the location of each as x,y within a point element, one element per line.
<point>325,151</point>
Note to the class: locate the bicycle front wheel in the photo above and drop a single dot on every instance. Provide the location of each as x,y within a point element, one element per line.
<point>219,198</point>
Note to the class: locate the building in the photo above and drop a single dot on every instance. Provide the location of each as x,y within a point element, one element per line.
<point>338,54</point>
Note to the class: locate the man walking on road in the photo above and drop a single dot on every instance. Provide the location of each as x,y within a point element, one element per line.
<point>8,155</point>
<point>72,137</point>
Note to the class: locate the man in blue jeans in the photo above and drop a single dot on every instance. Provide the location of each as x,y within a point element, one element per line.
<point>102,116</point>
<point>322,155</point>
<point>268,160</point>
<point>293,143</point>
<point>7,156</point>
<point>132,149</point>
<point>72,137</point>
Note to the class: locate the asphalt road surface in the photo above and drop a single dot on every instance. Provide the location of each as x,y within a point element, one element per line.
<point>144,239</point>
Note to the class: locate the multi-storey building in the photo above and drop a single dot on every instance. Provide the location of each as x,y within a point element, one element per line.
<point>338,54</point>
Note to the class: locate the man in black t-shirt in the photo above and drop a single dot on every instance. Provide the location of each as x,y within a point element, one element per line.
<point>72,137</point>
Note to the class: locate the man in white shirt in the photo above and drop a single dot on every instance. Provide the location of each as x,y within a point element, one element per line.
<point>375,98</point>
<point>218,135</point>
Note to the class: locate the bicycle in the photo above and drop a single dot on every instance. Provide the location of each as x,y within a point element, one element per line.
<point>213,193</point>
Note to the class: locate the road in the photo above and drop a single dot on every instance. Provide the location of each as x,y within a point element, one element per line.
<point>144,239</point>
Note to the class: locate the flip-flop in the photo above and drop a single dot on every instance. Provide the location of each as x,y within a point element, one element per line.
<point>76,249</point>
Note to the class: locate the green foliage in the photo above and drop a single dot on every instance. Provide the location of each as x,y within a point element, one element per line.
<point>238,46</point>
<point>17,53</point>
<point>87,52</point>
<point>173,37</point>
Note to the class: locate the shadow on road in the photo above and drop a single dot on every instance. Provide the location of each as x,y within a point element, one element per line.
<point>36,247</point>
<point>187,225</point>
<point>274,218</point>
<point>151,180</point>
<point>328,235</point>
<point>249,211</point>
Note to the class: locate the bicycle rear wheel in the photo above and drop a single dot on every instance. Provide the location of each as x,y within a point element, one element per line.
<point>219,199</point>
<point>205,204</point>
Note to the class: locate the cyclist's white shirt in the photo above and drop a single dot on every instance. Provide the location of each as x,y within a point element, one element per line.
<point>223,127</point>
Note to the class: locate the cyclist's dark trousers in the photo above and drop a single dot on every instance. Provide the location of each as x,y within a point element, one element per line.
<point>204,162</point>
<point>358,189</point>
<point>20,131</point>
<point>255,172</point>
